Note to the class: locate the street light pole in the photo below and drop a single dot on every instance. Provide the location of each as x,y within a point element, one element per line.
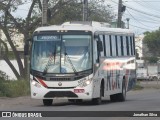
<point>127,22</point>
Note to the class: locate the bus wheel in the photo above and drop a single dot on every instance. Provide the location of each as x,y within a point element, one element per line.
<point>155,78</point>
<point>71,100</point>
<point>98,101</point>
<point>122,96</point>
<point>47,102</point>
<point>113,98</point>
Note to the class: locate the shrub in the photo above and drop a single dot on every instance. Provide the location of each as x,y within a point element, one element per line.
<point>14,88</point>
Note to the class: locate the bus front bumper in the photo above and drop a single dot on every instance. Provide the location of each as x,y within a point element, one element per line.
<point>49,93</point>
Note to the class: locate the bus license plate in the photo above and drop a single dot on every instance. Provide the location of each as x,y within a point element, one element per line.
<point>78,90</point>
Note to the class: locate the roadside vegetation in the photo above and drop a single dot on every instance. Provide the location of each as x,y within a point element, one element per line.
<point>138,86</point>
<point>13,88</point>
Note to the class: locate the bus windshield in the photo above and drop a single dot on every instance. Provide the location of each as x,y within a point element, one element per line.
<point>61,53</point>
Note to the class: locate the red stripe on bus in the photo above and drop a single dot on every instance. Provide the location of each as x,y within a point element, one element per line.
<point>42,82</point>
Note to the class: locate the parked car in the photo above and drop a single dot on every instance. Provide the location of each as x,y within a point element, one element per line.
<point>142,74</point>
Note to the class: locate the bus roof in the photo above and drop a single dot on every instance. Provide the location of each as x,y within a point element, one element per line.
<point>98,27</point>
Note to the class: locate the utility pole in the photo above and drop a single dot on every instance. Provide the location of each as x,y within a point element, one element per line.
<point>85,10</point>
<point>44,12</point>
<point>119,25</point>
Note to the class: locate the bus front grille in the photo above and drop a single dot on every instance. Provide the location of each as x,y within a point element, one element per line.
<point>61,87</point>
<point>53,94</point>
<point>65,78</point>
<point>60,79</point>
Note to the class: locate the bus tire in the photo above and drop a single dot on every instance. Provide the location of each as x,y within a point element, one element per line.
<point>155,78</point>
<point>122,96</point>
<point>47,102</point>
<point>113,98</point>
<point>71,100</point>
<point>98,101</point>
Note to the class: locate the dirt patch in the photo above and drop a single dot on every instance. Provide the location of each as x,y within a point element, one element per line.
<point>9,102</point>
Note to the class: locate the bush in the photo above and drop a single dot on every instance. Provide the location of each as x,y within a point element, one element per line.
<point>14,88</point>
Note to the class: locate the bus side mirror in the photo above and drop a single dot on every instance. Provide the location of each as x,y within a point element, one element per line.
<point>26,47</point>
<point>99,46</point>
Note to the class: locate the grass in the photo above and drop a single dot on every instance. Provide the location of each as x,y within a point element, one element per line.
<point>138,86</point>
<point>14,88</point>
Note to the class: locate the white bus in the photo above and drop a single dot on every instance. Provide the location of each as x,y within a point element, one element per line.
<point>81,61</point>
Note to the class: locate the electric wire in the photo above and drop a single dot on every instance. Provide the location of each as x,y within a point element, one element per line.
<point>139,21</point>
<point>148,21</point>
<point>139,11</point>
<point>148,7</point>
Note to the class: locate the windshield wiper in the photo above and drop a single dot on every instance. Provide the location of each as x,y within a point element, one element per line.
<point>74,69</point>
<point>49,61</point>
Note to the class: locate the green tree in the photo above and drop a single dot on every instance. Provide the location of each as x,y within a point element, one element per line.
<point>152,40</point>
<point>97,11</point>
<point>61,11</point>
<point>151,59</point>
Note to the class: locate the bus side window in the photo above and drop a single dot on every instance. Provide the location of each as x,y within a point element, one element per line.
<point>127,45</point>
<point>104,45</point>
<point>122,46</point>
<point>131,43</point>
<point>107,41</point>
<point>113,45</point>
<point>116,40</point>
<point>110,40</point>
<point>101,39</point>
<point>119,45</point>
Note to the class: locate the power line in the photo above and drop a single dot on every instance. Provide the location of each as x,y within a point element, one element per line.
<point>138,20</point>
<point>139,11</point>
<point>148,7</point>
<point>147,16</point>
<point>143,12</point>
<point>148,21</point>
<point>140,27</point>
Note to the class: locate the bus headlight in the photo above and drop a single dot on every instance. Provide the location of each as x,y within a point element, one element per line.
<point>85,83</point>
<point>88,82</point>
<point>36,84</point>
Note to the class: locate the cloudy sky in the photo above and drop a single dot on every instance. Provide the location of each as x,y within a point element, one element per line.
<point>144,15</point>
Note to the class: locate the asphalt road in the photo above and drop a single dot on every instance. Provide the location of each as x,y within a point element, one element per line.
<point>139,100</point>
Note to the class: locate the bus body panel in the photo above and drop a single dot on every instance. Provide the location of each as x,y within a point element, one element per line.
<point>111,70</point>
